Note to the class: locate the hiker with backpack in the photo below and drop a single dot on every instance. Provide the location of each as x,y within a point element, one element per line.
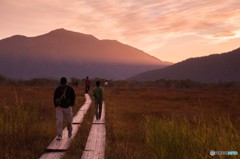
<point>64,99</point>
<point>98,99</point>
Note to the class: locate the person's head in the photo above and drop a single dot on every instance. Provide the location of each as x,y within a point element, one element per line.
<point>63,81</point>
<point>98,83</point>
<point>87,77</point>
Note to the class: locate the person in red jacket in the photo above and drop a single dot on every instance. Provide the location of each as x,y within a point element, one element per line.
<point>87,85</point>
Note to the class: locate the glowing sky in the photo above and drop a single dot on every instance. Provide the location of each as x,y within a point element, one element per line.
<point>172,30</point>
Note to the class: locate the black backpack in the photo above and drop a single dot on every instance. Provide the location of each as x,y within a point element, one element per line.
<point>63,100</point>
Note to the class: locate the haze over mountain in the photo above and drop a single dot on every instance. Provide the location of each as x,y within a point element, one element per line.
<point>223,67</point>
<point>66,53</point>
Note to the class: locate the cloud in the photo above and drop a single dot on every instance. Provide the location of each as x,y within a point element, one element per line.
<point>145,24</point>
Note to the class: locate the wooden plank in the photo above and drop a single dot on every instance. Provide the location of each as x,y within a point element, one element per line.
<point>95,146</point>
<point>88,154</point>
<point>82,111</point>
<point>79,117</point>
<point>58,146</point>
<point>65,142</point>
<point>96,136</point>
<point>52,155</point>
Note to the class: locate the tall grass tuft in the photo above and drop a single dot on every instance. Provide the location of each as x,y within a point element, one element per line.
<point>175,138</point>
<point>23,129</point>
<point>27,120</point>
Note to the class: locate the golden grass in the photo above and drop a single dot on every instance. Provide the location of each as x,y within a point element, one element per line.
<point>142,121</point>
<point>27,120</point>
<point>180,140</point>
<point>168,123</point>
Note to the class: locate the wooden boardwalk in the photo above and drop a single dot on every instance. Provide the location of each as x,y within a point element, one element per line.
<point>57,148</point>
<point>95,146</point>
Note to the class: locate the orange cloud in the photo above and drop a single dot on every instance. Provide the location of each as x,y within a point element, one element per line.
<point>150,25</point>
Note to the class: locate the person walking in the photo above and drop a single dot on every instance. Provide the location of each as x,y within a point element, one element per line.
<point>87,85</point>
<point>105,84</point>
<point>64,99</point>
<point>98,95</point>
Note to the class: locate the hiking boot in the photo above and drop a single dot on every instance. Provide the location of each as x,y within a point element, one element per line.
<point>70,134</point>
<point>59,137</point>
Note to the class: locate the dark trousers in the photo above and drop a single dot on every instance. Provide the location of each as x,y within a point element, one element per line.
<point>98,109</point>
<point>87,87</point>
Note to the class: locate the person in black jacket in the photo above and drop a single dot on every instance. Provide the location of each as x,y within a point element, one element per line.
<point>64,99</point>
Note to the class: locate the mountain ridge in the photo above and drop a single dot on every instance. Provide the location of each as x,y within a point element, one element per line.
<point>62,51</point>
<point>212,68</point>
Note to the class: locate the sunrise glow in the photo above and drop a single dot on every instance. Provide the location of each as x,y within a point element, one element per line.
<point>171,30</point>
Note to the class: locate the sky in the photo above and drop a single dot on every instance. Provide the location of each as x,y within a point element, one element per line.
<point>171,30</point>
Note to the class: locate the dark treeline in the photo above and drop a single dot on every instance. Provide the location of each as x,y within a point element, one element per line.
<point>124,84</point>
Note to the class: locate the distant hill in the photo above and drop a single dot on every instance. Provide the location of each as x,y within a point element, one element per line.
<point>223,67</point>
<point>66,53</point>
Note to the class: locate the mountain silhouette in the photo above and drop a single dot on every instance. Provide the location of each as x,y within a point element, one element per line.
<point>67,53</point>
<point>214,68</point>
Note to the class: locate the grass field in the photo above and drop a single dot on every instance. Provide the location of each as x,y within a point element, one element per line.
<point>143,120</point>
<point>27,120</point>
<point>172,123</point>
